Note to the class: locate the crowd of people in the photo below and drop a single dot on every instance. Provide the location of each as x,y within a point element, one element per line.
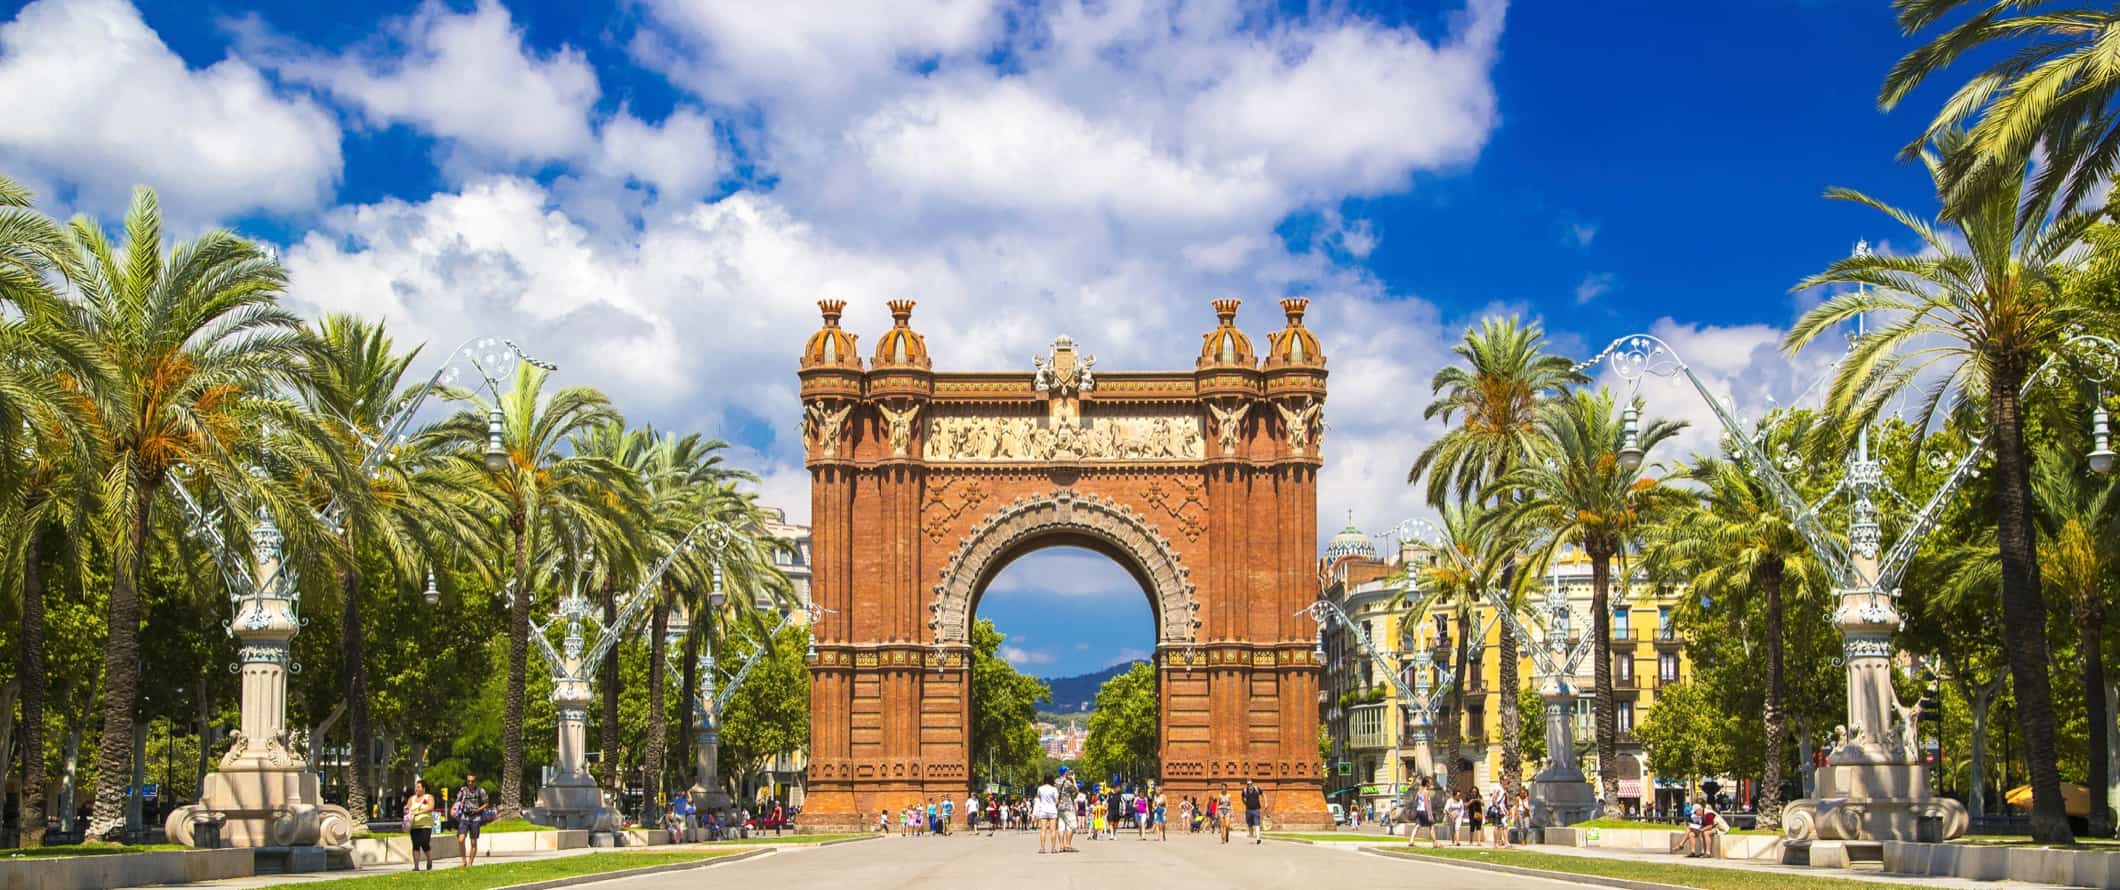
<point>1062,808</point>
<point>1466,816</point>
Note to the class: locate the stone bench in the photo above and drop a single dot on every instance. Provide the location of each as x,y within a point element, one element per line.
<point>2073,868</point>
<point>126,869</point>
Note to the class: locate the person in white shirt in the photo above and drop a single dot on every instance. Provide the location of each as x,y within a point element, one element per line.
<point>971,812</point>
<point>1045,812</point>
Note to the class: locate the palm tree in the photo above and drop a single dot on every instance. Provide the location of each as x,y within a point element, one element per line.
<point>1583,495</point>
<point>1737,541</point>
<point>1970,318</point>
<point>625,447</point>
<point>541,489</point>
<point>351,387</point>
<point>193,338</point>
<point>1503,374</point>
<point>2051,88</point>
<point>2080,521</point>
<point>1456,581</point>
<point>44,363</point>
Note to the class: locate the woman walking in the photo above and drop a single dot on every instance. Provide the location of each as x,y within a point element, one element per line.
<point>1498,817</point>
<point>1162,829</point>
<point>1423,817</point>
<point>419,823</point>
<point>1047,812</point>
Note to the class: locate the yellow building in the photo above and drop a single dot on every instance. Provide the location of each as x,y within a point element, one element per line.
<point>1372,762</point>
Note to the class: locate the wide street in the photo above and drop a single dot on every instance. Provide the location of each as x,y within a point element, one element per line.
<point>1011,859</point>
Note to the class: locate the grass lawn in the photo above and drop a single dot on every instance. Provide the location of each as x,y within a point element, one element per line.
<point>504,874</point>
<point>1705,877</point>
<point>92,849</point>
<point>505,826</point>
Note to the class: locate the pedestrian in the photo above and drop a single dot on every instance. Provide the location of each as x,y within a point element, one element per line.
<point>780,817</point>
<point>1497,817</point>
<point>1162,830</point>
<point>1068,803</point>
<point>1423,817</point>
<point>1254,810</point>
<point>971,813</point>
<point>471,811</point>
<point>1454,816</point>
<point>1475,817</point>
<point>1047,812</point>
<point>1222,807</point>
<point>942,823</point>
<point>883,822</point>
<point>419,823</point>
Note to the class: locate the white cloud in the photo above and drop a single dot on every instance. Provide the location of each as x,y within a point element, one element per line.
<point>1740,365</point>
<point>736,53</point>
<point>1129,655</point>
<point>98,103</point>
<point>1594,285</point>
<point>1019,656</point>
<point>1580,234</point>
<point>1066,572</point>
<point>466,77</point>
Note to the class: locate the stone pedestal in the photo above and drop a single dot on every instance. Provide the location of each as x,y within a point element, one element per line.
<point>264,794</point>
<point>1874,786</point>
<point>571,798</point>
<point>707,795</point>
<point>1560,793</point>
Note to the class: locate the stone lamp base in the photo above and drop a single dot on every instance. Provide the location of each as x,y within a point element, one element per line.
<point>573,802</point>
<point>1874,802</point>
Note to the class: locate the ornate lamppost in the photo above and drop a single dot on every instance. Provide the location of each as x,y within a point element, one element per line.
<point>715,695</point>
<point>264,794</point>
<point>1875,785</point>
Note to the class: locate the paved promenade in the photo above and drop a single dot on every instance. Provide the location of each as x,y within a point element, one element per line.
<point>1012,860</point>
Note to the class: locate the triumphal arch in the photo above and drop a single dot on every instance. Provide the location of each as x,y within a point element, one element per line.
<point>1202,483</point>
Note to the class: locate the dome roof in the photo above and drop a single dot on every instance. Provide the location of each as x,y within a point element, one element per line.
<point>1295,344</point>
<point>901,346</point>
<point>1349,542</point>
<point>1225,345</point>
<point>831,346</point>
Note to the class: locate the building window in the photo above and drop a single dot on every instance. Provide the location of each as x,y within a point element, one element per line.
<point>1476,722</point>
<point>1623,668</point>
<point>1619,622</point>
<point>1663,620</point>
<point>1667,667</point>
<point>1625,716</point>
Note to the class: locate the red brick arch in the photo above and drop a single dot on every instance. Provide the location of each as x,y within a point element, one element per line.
<point>1201,483</point>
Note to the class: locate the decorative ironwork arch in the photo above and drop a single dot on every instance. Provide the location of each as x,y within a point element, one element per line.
<point>1099,523</point>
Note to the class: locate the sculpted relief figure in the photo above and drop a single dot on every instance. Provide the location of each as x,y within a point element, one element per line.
<point>822,425</point>
<point>1303,422</point>
<point>1026,439</point>
<point>900,423</point>
<point>1229,424</point>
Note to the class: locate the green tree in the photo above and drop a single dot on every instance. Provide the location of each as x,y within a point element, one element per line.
<point>193,339</point>
<point>1123,733</point>
<point>44,498</point>
<point>1687,734</point>
<point>1492,395</point>
<point>769,715</point>
<point>1736,542</point>
<point>1004,702</point>
<point>2051,87</point>
<point>1583,495</point>
<point>540,490</point>
<point>1970,318</point>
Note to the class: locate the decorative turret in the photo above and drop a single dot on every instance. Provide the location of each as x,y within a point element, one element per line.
<point>831,346</point>
<point>901,346</point>
<point>1295,344</point>
<point>1349,542</point>
<point>1226,346</point>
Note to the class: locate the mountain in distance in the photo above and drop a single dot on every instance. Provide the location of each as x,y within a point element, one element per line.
<point>1078,694</point>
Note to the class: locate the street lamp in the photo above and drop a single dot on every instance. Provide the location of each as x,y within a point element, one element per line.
<point>431,595</point>
<point>1630,447</point>
<point>496,456</point>
<point>2101,456</point>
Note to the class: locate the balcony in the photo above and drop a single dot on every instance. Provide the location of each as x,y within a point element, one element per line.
<point>1667,680</point>
<point>1366,728</point>
<point>1624,683</point>
<point>1668,636</point>
<point>1624,635</point>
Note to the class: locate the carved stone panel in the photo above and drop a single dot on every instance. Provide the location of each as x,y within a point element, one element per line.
<point>978,439</point>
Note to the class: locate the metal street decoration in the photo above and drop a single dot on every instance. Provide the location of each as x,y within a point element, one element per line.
<point>264,794</point>
<point>715,694</point>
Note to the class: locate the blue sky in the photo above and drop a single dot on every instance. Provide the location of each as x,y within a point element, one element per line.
<point>654,193</point>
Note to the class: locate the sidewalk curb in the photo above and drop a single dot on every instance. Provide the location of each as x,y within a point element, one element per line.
<point>1561,876</point>
<point>601,877</point>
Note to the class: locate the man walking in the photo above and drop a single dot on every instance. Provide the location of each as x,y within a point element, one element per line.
<point>471,812</point>
<point>949,811</point>
<point>1254,805</point>
<point>1069,791</point>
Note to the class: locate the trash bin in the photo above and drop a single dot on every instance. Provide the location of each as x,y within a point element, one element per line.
<point>1928,829</point>
<point>206,831</point>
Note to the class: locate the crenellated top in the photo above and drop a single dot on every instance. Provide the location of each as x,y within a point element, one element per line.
<point>832,346</point>
<point>1225,346</point>
<point>1294,345</point>
<point>901,346</point>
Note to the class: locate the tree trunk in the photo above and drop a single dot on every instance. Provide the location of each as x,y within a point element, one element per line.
<point>1770,578</point>
<point>689,673</point>
<point>31,672</point>
<point>2091,619</point>
<point>2023,606</point>
<point>1505,701</point>
<point>518,656</point>
<point>360,742</point>
<point>652,765</point>
<point>1606,703</point>
<point>121,671</point>
<point>1450,727</point>
<point>1978,700</point>
<point>607,734</point>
